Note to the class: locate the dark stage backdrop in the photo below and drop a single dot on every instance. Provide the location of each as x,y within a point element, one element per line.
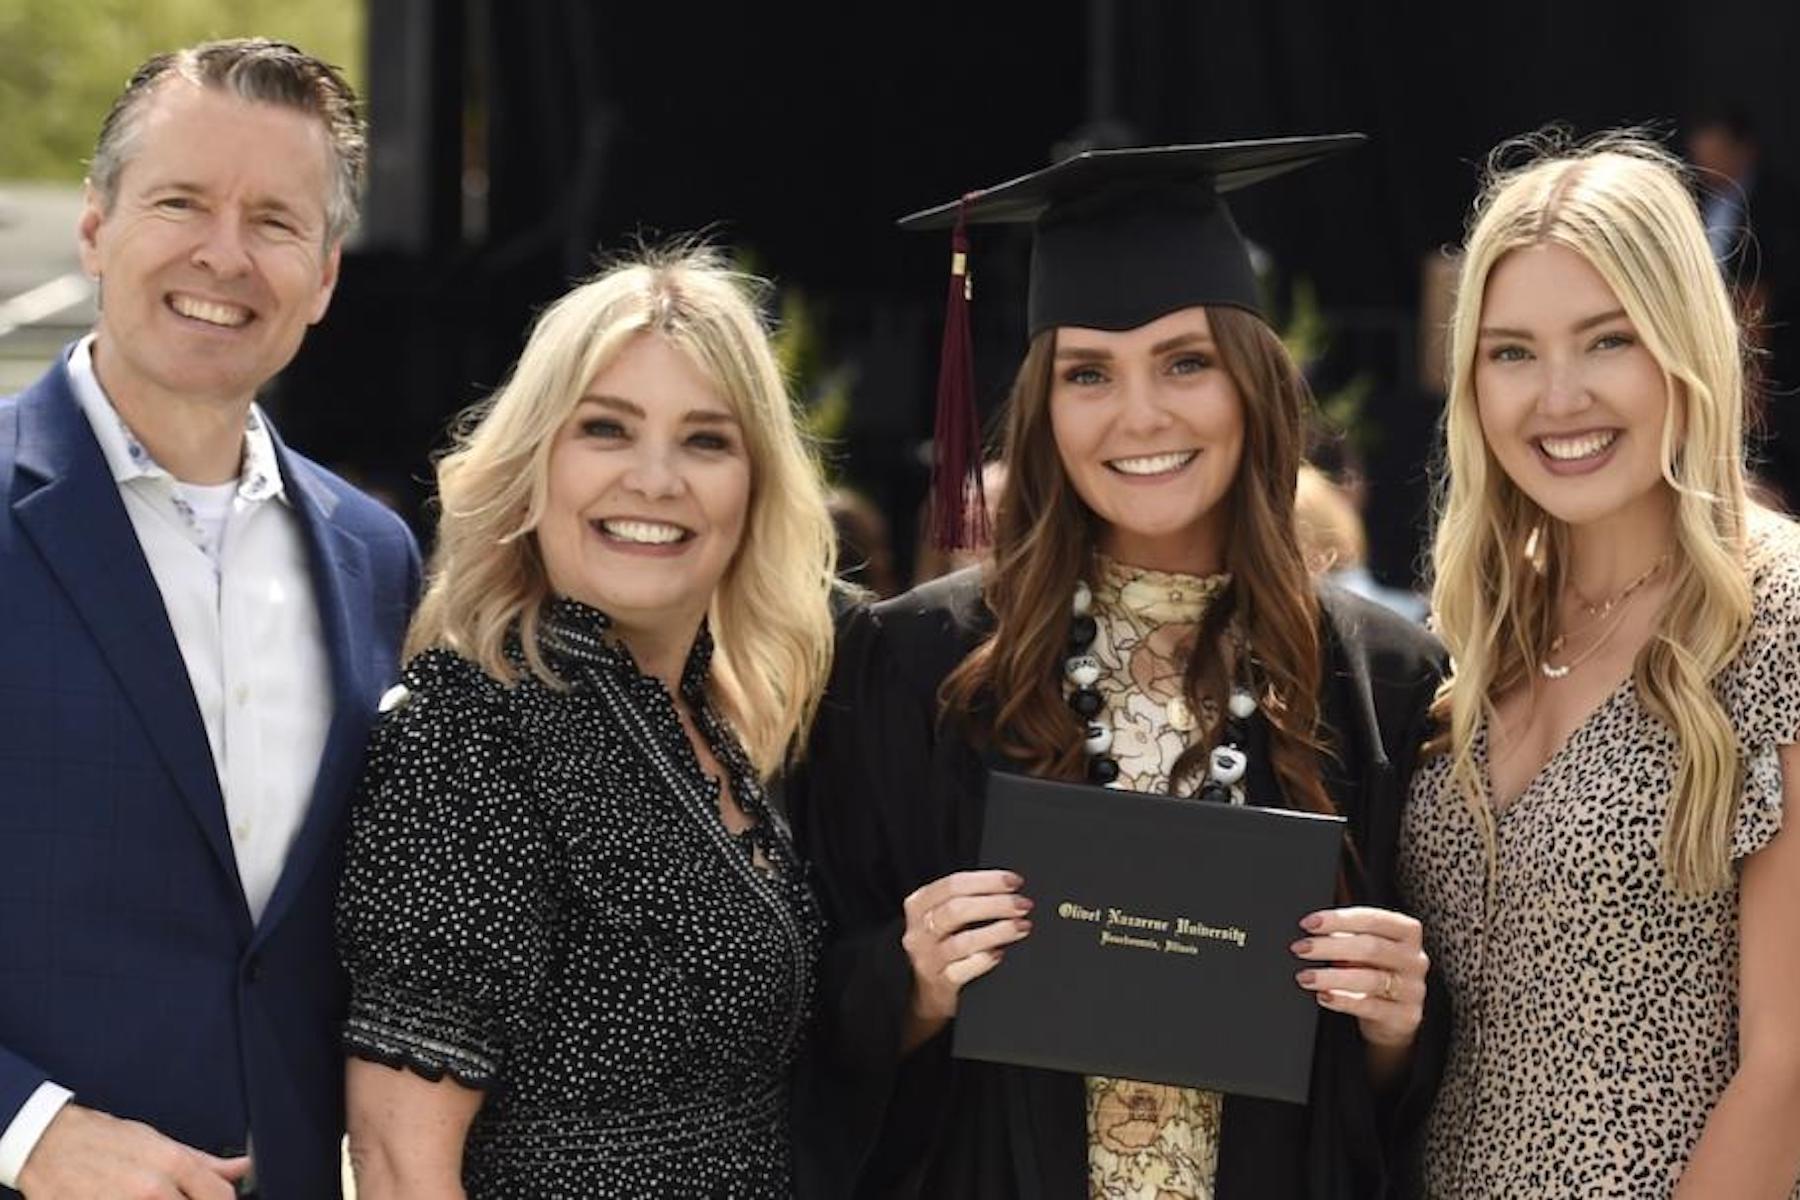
<point>515,143</point>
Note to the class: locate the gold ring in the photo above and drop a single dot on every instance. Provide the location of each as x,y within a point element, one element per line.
<point>1389,984</point>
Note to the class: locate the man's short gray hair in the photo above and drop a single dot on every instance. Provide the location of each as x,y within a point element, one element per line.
<point>256,69</point>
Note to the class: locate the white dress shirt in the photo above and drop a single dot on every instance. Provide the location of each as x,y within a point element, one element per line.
<point>231,564</point>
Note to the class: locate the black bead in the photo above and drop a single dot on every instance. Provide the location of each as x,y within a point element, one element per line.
<point>1215,791</point>
<point>1082,632</point>
<point>1102,769</point>
<point>1085,701</point>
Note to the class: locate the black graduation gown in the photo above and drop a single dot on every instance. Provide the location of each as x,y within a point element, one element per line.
<point>888,799</point>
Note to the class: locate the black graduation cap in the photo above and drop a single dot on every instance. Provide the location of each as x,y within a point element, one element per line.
<point>1119,238</point>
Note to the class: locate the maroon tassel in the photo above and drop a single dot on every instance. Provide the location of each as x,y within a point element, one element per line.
<point>958,504</point>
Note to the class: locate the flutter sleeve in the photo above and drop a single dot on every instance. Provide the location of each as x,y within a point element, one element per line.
<point>1762,690</point>
<point>446,900</point>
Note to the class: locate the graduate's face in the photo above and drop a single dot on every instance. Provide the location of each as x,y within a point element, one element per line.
<point>1150,429</point>
<point>649,483</point>
<point>1572,403</point>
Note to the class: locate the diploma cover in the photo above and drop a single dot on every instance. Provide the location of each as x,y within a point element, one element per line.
<point>1159,942</point>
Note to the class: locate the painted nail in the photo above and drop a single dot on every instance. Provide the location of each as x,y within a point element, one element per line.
<point>1303,947</point>
<point>1311,922</point>
<point>1307,978</point>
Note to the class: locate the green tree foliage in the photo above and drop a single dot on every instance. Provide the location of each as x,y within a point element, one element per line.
<point>63,61</point>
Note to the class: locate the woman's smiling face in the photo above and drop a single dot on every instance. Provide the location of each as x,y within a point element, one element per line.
<point>1571,402</point>
<point>1150,429</point>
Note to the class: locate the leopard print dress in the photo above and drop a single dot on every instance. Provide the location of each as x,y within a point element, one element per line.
<point>1596,1012</point>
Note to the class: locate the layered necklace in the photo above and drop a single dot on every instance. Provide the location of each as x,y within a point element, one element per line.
<point>1604,616</point>
<point>1226,765</point>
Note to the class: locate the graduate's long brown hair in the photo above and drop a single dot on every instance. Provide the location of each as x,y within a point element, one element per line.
<point>1044,541</point>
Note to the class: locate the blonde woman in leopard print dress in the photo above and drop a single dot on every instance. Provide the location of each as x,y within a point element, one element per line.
<point>1597,849</point>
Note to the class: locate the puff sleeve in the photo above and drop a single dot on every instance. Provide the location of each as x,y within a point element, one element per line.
<point>445,906</point>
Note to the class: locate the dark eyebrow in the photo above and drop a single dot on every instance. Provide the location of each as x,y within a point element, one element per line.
<point>1581,326</point>
<point>616,403</point>
<point>1178,342</point>
<point>694,416</point>
<point>272,204</point>
<point>1182,341</point>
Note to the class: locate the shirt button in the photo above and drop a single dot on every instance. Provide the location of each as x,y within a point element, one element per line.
<point>242,694</point>
<point>240,832</point>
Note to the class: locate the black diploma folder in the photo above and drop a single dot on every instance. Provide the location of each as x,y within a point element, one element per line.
<point>1159,943</point>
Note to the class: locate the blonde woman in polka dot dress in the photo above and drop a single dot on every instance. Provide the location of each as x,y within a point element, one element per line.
<point>1598,850</point>
<point>580,945</point>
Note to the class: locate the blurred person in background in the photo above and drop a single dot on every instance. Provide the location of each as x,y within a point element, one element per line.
<point>195,625</point>
<point>1752,218</point>
<point>865,553</point>
<point>1334,544</point>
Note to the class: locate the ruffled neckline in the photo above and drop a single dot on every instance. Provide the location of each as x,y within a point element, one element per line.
<point>1161,597</point>
<point>578,633</point>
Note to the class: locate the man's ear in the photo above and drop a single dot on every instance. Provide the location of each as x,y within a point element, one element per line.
<point>87,228</point>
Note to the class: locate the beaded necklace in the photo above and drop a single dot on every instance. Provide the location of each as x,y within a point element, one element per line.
<point>1227,764</point>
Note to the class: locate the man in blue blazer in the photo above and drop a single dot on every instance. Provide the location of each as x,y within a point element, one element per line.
<point>196,624</point>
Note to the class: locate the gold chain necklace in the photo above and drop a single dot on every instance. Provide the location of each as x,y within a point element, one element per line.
<point>1597,613</point>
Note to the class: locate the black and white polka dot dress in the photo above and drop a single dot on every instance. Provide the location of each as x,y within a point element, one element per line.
<point>1596,1009</point>
<point>541,901</point>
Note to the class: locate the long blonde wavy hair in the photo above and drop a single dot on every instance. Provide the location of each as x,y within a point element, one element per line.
<point>1499,561</point>
<point>770,614</point>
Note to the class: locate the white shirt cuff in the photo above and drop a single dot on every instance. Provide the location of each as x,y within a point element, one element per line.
<point>28,1125</point>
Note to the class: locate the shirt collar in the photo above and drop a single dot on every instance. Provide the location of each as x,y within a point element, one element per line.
<point>128,458</point>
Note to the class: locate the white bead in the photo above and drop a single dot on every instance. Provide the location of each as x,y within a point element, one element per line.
<point>1242,704</point>
<point>1099,738</point>
<point>1083,670</point>
<point>1228,764</point>
<point>393,698</point>
<point>1084,598</point>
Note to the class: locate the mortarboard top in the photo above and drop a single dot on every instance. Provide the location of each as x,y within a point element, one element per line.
<point>1122,237</point>
<point>1119,238</point>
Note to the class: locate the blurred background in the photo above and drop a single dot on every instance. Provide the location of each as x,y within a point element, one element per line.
<point>515,144</point>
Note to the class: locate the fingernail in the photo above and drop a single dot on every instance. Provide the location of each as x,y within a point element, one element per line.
<point>1306,978</point>
<point>1014,881</point>
<point>1311,922</point>
<point>1328,999</point>
<point>1022,925</point>
<point>1024,904</point>
<point>1303,947</point>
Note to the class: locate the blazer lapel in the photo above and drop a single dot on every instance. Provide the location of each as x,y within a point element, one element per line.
<point>77,520</point>
<point>343,587</point>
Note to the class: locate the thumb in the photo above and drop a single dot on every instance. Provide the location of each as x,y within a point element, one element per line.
<point>233,1170</point>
